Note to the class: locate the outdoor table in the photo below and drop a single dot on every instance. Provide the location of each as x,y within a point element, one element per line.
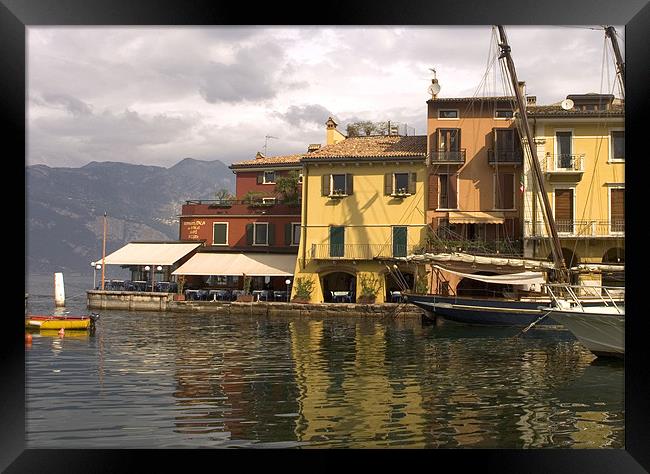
<point>261,294</point>
<point>192,294</point>
<point>341,296</point>
<point>140,285</point>
<point>279,295</point>
<point>395,295</point>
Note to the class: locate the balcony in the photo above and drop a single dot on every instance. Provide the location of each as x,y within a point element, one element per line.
<point>614,228</point>
<point>564,165</point>
<point>448,157</point>
<point>497,157</point>
<point>360,251</point>
<point>207,207</point>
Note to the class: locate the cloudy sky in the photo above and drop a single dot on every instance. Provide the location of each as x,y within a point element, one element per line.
<point>157,95</point>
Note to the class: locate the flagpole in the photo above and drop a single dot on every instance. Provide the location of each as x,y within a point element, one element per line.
<point>104,251</point>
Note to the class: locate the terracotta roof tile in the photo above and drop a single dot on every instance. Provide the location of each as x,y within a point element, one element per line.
<point>270,160</point>
<point>379,146</point>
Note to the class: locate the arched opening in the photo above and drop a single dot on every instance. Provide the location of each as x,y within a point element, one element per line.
<point>339,287</point>
<point>470,287</point>
<point>614,256</point>
<point>393,286</point>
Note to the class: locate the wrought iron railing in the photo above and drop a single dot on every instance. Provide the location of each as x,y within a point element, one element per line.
<point>361,251</point>
<point>577,228</point>
<point>496,157</point>
<point>457,156</point>
<point>564,163</point>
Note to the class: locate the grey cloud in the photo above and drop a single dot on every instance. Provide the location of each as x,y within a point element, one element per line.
<point>70,104</point>
<point>256,74</point>
<point>305,114</point>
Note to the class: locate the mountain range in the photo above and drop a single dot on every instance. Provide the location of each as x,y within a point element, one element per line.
<point>64,208</point>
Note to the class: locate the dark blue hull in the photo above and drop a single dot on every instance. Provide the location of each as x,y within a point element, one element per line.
<point>486,312</point>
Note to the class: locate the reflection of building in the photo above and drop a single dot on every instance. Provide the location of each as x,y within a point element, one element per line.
<point>343,394</point>
<point>581,148</point>
<point>363,205</point>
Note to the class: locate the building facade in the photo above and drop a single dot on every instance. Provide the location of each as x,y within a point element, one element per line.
<point>581,148</point>
<point>363,205</point>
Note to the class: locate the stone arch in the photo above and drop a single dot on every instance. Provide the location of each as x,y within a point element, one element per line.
<point>614,255</point>
<point>391,284</point>
<point>338,279</point>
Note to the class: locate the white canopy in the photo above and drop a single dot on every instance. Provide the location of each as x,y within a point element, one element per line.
<point>521,278</point>
<point>161,253</point>
<point>236,264</point>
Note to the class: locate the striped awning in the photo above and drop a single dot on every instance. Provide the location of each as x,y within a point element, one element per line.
<point>238,264</point>
<point>161,253</point>
<point>475,217</point>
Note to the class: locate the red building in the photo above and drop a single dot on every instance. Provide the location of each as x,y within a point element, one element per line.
<point>262,218</point>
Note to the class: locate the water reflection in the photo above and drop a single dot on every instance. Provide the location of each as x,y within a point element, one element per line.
<point>182,380</point>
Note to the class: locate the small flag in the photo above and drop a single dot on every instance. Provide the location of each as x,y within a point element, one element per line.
<point>521,184</point>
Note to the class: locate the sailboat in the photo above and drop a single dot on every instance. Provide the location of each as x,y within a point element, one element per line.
<point>508,310</point>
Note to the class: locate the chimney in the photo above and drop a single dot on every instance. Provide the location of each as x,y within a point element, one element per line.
<point>313,147</point>
<point>259,156</point>
<point>333,135</point>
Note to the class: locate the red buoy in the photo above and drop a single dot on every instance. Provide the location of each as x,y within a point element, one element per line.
<point>28,338</point>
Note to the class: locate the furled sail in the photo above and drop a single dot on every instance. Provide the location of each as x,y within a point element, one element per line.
<point>521,278</point>
<point>459,257</point>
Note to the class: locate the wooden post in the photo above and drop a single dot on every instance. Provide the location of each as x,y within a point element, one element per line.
<point>104,251</point>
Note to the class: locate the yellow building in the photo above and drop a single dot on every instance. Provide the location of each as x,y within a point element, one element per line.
<point>362,205</point>
<point>581,148</point>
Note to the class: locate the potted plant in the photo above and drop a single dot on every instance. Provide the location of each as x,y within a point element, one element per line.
<point>180,296</point>
<point>222,199</point>
<point>304,288</point>
<point>288,187</point>
<point>246,297</point>
<point>422,284</point>
<point>369,289</point>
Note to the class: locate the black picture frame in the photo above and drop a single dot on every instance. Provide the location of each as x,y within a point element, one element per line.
<point>17,15</point>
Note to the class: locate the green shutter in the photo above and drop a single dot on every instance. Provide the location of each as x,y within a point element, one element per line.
<point>337,241</point>
<point>325,185</point>
<point>399,241</point>
<point>249,234</point>
<point>260,178</point>
<point>287,234</point>
<point>388,184</point>
<point>413,179</point>
<point>271,234</point>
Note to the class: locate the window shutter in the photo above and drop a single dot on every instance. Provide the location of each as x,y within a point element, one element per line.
<point>287,234</point>
<point>433,191</point>
<point>325,185</point>
<point>618,204</point>
<point>412,181</point>
<point>564,205</point>
<point>270,238</point>
<point>260,178</point>
<point>348,184</point>
<point>249,234</point>
<point>452,179</point>
<point>388,184</point>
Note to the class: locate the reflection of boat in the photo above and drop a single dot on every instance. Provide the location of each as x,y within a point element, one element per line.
<point>82,322</point>
<point>601,329</point>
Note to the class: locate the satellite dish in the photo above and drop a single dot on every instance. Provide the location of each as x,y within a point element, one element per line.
<point>567,104</point>
<point>434,88</point>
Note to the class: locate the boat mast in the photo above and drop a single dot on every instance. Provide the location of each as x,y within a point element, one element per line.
<point>104,251</point>
<point>610,32</point>
<point>560,266</point>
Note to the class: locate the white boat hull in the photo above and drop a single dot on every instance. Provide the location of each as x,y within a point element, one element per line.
<point>602,332</point>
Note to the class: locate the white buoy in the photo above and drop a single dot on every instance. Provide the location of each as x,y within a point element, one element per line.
<point>59,291</point>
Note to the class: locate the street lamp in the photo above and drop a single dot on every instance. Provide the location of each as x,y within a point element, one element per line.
<point>159,268</point>
<point>146,269</point>
<point>288,282</point>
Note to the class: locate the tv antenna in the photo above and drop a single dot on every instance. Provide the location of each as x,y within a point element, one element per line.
<point>266,142</point>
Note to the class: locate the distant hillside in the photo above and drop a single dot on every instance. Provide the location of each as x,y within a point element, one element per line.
<point>65,207</point>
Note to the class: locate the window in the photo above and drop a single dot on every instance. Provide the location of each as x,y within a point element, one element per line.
<point>503,113</point>
<point>617,210</point>
<point>447,191</point>
<point>295,234</point>
<point>220,233</point>
<point>261,233</point>
<point>505,139</point>
<point>618,145</point>
<point>564,158</point>
<point>564,210</point>
<point>399,241</point>
<point>448,114</point>
<point>448,140</point>
<point>401,183</point>
<point>269,177</point>
<point>338,184</point>
<point>504,191</point>
<point>337,241</point>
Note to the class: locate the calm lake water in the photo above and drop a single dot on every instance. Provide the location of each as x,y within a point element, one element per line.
<point>165,380</point>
